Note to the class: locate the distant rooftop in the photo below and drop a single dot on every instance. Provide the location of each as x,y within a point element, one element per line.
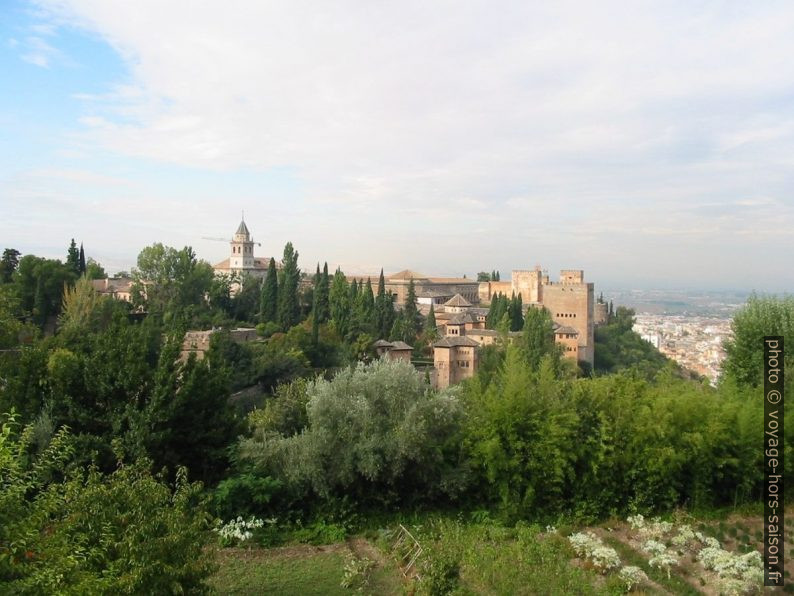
<point>453,342</point>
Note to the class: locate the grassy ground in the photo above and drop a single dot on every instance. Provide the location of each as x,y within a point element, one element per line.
<point>479,558</point>
<point>299,570</point>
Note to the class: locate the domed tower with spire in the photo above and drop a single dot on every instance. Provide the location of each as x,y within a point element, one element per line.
<point>242,256</point>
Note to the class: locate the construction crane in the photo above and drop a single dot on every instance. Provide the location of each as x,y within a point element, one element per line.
<point>223,240</point>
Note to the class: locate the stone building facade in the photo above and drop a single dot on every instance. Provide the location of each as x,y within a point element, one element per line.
<point>119,288</point>
<point>570,301</point>
<point>429,290</point>
<point>198,342</point>
<point>394,350</point>
<point>455,359</point>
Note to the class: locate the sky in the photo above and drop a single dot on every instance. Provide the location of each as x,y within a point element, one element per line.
<point>650,144</point>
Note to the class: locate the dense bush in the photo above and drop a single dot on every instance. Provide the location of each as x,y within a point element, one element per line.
<point>87,533</point>
<point>376,432</point>
<point>595,446</point>
<point>244,494</point>
<point>618,347</point>
<point>761,316</point>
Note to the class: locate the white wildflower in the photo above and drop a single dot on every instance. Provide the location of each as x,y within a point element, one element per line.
<point>654,547</point>
<point>605,558</point>
<point>663,561</point>
<point>636,522</point>
<point>632,576</point>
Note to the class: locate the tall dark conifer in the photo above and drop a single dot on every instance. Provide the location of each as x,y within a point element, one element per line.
<point>431,329</point>
<point>365,309</point>
<point>413,319</point>
<point>341,301</point>
<point>288,304</point>
<point>269,301</point>
<point>73,257</point>
<point>321,293</point>
<point>320,308</point>
<point>82,259</point>
<point>384,309</point>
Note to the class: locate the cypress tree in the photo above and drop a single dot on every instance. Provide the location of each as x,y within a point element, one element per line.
<point>320,307</point>
<point>413,320</point>
<point>489,320</point>
<point>431,329</point>
<point>82,259</point>
<point>365,311</point>
<point>340,301</point>
<point>384,309</point>
<point>353,293</point>
<point>501,309</point>
<point>288,305</point>
<point>516,316</point>
<point>73,258</point>
<point>321,296</point>
<point>269,301</point>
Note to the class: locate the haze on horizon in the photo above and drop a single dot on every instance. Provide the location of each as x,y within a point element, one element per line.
<point>650,145</point>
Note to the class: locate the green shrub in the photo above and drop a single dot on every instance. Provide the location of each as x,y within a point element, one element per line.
<point>245,494</point>
<point>89,533</point>
<point>439,571</point>
<point>375,432</point>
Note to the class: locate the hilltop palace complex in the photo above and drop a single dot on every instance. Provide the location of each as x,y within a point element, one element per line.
<point>460,308</point>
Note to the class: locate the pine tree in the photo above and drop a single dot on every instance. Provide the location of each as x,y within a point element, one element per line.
<point>82,260</point>
<point>73,257</point>
<point>8,264</point>
<point>269,302</point>
<point>288,304</point>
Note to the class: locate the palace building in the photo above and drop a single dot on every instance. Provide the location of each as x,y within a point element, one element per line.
<point>570,301</point>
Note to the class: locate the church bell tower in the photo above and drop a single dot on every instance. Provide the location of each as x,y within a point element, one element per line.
<point>242,256</point>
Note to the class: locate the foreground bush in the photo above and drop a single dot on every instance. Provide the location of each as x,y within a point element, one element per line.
<point>374,432</point>
<point>87,533</point>
<point>539,444</point>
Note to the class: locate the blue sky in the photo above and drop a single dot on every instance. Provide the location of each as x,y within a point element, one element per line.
<point>651,145</point>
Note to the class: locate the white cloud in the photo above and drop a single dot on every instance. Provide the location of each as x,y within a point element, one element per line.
<point>606,118</point>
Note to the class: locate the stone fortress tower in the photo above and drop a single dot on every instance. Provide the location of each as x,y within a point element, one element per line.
<point>570,301</point>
